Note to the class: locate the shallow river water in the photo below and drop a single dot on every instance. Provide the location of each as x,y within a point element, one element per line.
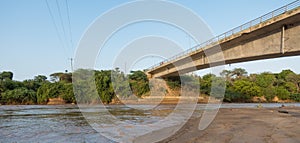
<point>65,123</point>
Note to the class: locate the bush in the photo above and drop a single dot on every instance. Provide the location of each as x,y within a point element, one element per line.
<point>269,93</point>
<point>18,96</point>
<point>282,93</point>
<point>54,90</point>
<point>173,82</point>
<point>68,94</point>
<point>246,88</point>
<point>295,97</point>
<point>233,96</point>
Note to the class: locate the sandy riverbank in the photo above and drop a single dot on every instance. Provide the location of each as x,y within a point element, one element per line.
<point>244,125</point>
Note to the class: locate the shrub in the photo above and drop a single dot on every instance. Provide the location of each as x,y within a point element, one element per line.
<point>295,97</point>
<point>282,93</point>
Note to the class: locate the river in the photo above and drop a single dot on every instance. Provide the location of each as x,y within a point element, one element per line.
<point>65,123</point>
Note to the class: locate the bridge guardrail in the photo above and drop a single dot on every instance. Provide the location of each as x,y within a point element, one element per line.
<point>233,31</point>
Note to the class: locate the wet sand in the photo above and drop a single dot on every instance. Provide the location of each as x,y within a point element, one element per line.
<point>265,125</point>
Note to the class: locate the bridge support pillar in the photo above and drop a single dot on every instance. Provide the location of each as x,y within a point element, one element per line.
<point>282,39</point>
<point>149,76</point>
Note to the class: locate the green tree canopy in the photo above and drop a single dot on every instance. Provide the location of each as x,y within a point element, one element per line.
<point>265,80</point>
<point>246,88</point>
<point>6,75</point>
<point>18,96</point>
<point>239,72</point>
<point>139,83</point>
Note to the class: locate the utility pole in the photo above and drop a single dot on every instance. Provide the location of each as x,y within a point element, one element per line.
<point>71,60</point>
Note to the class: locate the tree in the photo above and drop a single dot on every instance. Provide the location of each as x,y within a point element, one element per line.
<point>46,91</point>
<point>35,83</point>
<point>173,82</point>
<point>120,83</point>
<point>10,84</point>
<point>233,96</point>
<point>279,81</point>
<point>282,93</point>
<point>295,97</point>
<point>284,73</point>
<point>104,86</point>
<point>40,78</point>
<point>67,94</point>
<point>265,80</point>
<point>55,77</point>
<point>291,87</point>
<point>294,78</point>
<point>6,75</point>
<point>1,88</point>
<point>138,76</point>
<point>18,96</point>
<point>205,83</point>
<point>227,74</point>
<point>54,90</point>
<point>65,77</point>
<point>139,83</point>
<point>246,87</point>
<point>269,93</point>
<point>239,72</point>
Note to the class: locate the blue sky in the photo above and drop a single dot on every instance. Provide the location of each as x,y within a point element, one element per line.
<point>30,45</point>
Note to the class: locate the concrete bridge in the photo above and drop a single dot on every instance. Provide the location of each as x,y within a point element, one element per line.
<point>273,35</point>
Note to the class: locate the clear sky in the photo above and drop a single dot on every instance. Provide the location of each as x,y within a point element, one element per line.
<point>30,44</point>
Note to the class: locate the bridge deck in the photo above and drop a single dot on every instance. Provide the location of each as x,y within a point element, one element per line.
<point>275,34</point>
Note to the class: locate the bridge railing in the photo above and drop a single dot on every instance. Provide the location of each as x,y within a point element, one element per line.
<point>233,31</point>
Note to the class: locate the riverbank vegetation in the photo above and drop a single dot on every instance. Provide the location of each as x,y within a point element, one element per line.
<point>263,87</point>
<point>241,87</point>
<point>110,84</point>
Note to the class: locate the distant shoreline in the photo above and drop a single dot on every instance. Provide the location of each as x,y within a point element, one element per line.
<point>164,103</point>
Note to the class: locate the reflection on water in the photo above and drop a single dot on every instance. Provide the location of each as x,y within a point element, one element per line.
<point>65,123</point>
<point>45,124</point>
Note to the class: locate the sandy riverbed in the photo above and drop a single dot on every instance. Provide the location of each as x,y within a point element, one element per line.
<point>244,125</point>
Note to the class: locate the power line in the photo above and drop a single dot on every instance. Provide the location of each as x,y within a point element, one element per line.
<point>63,34</point>
<point>70,30</point>
<point>55,26</point>
<point>69,22</point>
<point>61,20</point>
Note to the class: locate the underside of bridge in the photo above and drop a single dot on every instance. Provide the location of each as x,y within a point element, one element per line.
<point>274,38</point>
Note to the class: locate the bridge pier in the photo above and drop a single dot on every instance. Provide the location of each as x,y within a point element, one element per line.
<point>282,38</point>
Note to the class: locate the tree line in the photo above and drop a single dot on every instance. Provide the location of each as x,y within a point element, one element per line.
<point>39,89</point>
<point>241,87</point>
<point>113,84</point>
<point>265,86</point>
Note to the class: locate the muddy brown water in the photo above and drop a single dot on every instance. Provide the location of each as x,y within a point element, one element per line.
<point>65,123</point>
